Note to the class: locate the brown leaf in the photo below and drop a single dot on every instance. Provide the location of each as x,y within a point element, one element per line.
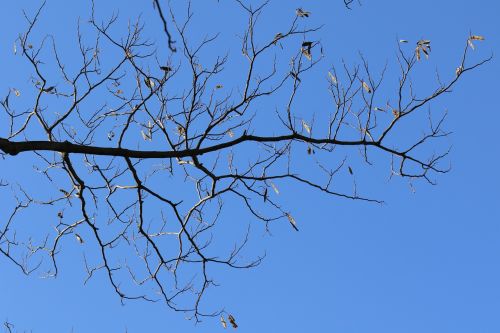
<point>306,127</point>
<point>417,53</point>
<point>307,44</point>
<point>149,82</point>
<point>232,321</point>
<point>306,49</point>
<point>424,42</point>
<point>367,87</point>
<point>278,36</point>
<point>180,130</point>
<point>223,321</point>
<point>292,221</point>
<point>302,13</point>
<point>469,41</point>
<point>146,135</point>
<point>307,54</point>
<point>424,49</point>
<point>476,37</point>
<point>332,77</point>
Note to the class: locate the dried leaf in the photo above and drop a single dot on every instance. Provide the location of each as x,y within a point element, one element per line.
<point>17,93</point>
<point>119,92</point>
<point>396,113</point>
<point>424,42</point>
<point>417,53</point>
<point>367,87</point>
<point>181,131</point>
<point>232,321</point>
<point>302,13</point>
<point>403,41</point>
<point>274,188</point>
<point>306,127</point>
<point>459,70</point>
<point>350,170</point>
<point>306,49</point>
<point>423,45</point>
<point>150,83</point>
<point>307,44</point>
<point>292,221</point>
<point>230,133</point>
<point>223,321</point>
<point>146,136</point>
<point>332,77</point>
<point>79,239</point>
<point>307,54</point>
<point>276,38</point>
<point>476,37</point>
<point>469,41</point>
<point>424,49</point>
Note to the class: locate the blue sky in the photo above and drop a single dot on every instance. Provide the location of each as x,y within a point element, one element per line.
<point>423,262</point>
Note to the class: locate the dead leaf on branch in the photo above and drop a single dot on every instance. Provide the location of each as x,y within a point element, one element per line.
<point>292,221</point>
<point>424,46</point>
<point>306,127</point>
<point>232,321</point>
<point>332,77</point>
<point>367,87</point>
<point>223,321</point>
<point>474,37</point>
<point>276,38</point>
<point>79,239</point>
<point>302,13</point>
<point>274,188</point>
<point>306,50</point>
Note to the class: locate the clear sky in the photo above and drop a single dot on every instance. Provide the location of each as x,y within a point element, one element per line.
<point>427,261</point>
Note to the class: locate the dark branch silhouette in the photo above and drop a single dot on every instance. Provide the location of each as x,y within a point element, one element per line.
<point>143,151</point>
